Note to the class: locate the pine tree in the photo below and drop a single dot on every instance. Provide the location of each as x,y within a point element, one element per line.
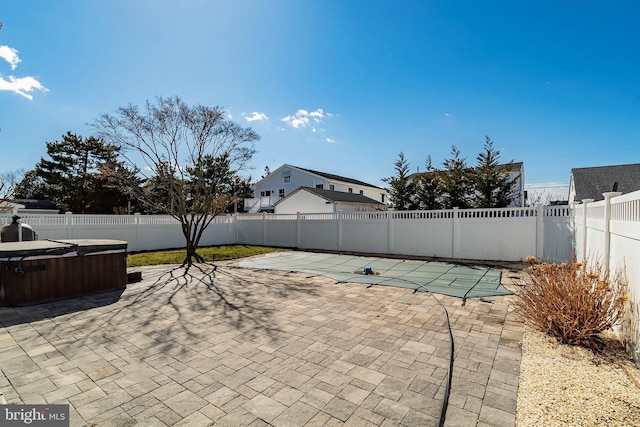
<point>456,182</point>
<point>72,177</point>
<point>401,189</point>
<point>493,186</point>
<point>429,187</point>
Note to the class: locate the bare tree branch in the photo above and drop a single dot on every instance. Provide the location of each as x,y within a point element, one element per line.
<point>188,152</point>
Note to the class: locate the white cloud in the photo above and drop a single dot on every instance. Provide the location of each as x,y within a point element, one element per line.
<point>10,55</point>
<point>303,118</point>
<point>22,85</point>
<point>330,141</point>
<point>255,116</point>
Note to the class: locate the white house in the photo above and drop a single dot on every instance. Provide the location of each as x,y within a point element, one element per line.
<point>287,178</point>
<point>318,200</point>
<point>516,174</point>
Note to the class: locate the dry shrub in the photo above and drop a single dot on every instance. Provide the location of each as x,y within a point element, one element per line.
<point>573,301</point>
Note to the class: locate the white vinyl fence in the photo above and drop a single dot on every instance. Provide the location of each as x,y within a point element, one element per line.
<point>508,234</point>
<point>609,231</point>
<point>141,232</point>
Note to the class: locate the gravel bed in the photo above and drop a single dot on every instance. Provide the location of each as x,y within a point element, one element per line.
<point>563,385</point>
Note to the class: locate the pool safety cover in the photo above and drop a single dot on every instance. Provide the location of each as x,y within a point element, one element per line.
<point>457,280</point>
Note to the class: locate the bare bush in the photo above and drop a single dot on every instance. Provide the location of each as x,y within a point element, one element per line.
<point>573,302</point>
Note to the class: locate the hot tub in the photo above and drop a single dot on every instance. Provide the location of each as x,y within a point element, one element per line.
<point>42,270</point>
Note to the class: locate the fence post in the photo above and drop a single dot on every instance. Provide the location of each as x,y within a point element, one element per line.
<point>454,237</point>
<point>574,229</point>
<point>136,217</point>
<point>298,226</point>
<point>539,231</point>
<point>390,232</point>
<point>264,229</point>
<point>607,227</point>
<point>585,202</point>
<point>235,228</point>
<point>68,219</point>
<point>339,230</point>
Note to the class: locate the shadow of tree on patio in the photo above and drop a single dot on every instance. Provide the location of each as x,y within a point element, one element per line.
<point>174,310</point>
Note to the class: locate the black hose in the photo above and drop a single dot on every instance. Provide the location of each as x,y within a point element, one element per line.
<point>447,391</point>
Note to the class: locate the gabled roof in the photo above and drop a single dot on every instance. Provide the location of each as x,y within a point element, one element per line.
<point>338,177</point>
<point>515,166</point>
<point>335,196</point>
<point>590,183</point>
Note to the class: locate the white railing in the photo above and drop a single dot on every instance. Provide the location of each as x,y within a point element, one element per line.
<point>254,204</point>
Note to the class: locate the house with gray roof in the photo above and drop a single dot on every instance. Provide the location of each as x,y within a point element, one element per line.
<point>287,178</point>
<point>318,200</point>
<point>590,183</point>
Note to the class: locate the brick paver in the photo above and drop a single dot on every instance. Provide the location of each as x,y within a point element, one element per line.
<point>242,347</point>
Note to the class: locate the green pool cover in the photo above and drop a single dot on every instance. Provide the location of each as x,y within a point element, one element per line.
<point>455,280</point>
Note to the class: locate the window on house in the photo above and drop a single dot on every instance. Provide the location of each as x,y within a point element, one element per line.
<point>350,190</point>
<point>332,187</point>
<point>281,193</point>
<point>266,193</point>
<point>382,198</point>
<point>287,178</point>
<point>319,186</point>
<point>361,192</point>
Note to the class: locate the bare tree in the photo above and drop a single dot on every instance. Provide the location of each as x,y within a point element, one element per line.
<point>540,197</point>
<point>8,182</point>
<point>182,149</point>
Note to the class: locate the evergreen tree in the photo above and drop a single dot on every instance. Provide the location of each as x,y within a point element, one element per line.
<point>401,189</point>
<point>32,186</point>
<point>493,186</point>
<point>73,177</point>
<point>429,187</point>
<point>456,182</point>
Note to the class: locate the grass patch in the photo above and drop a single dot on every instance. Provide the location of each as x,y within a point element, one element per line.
<point>210,253</point>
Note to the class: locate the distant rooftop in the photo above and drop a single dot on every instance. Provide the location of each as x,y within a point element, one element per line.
<point>337,177</point>
<point>590,183</point>
<point>338,196</point>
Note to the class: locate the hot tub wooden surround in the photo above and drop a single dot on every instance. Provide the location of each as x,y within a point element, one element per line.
<point>43,270</point>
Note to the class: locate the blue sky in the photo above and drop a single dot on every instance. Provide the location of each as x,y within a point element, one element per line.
<point>338,86</point>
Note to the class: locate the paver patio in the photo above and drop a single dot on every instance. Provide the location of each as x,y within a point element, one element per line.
<point>245,347</point>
